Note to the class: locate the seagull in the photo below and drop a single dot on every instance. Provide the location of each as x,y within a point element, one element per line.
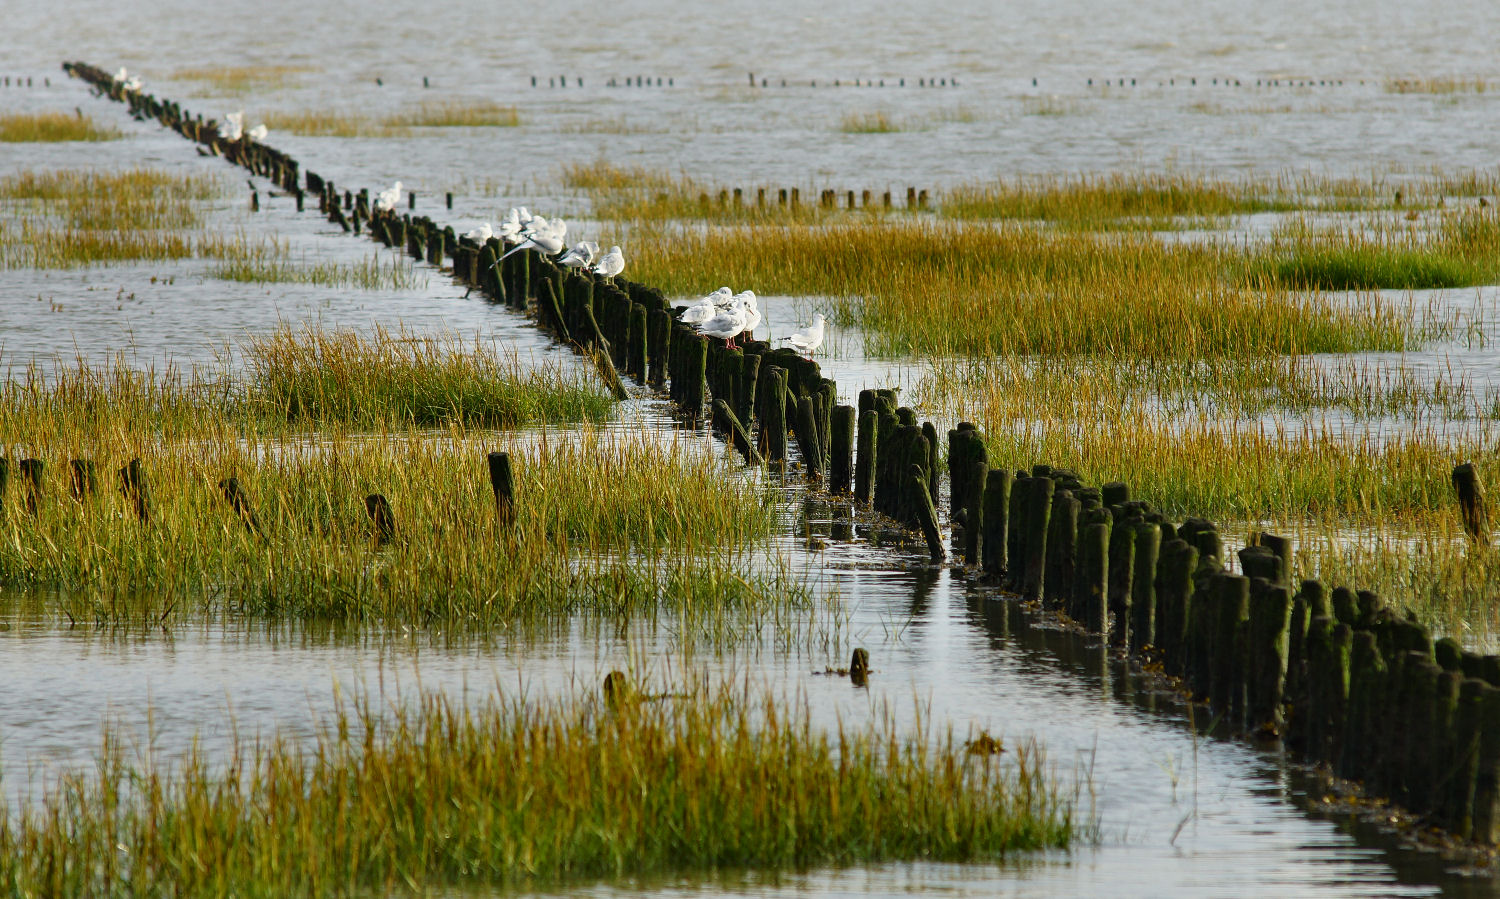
<point>611,264</point>
<point>386,200</point>
<point>752,311</point>
<point>580,255</point>
<point>510,226</point>
<point>706,308</point>
<point>127,81</point>
<point>541,235</point>
<point>481,234</point>
<point>258,133</point>
<point>726,325</point>
<point>809,338</point>
<point>234,126</point>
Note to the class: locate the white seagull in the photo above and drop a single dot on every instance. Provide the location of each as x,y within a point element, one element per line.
<point>387,200</point>
<point>234,126</point>
<point>726,326</point>
<point>611,263</point>
<point>258,133</point>
<point>707,307</point>
<point>541,235</point>
<point>481,234</point>
<point>510,226</point>
<point>580,255</point>
<point>747,302</point>
<point>809,338</point>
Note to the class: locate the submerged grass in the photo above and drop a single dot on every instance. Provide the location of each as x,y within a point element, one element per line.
<point>517,794</point>
<point>1461,249</point>
<point>270,261</point>
<point>51,127</point>
<point>351,378</point>
<point>641,195</point>
<point>435,114</point>
<point>243,79</point>
<point>1104,200</point>
<point>1017,290</point>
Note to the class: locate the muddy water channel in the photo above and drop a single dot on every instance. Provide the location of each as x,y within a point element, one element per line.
<point>1180,811</point>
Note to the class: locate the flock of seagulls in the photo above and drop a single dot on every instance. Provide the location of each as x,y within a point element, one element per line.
<point>233,127</point>
<point>548,237</point>
<point>725,315</point>
<point>128,82</point>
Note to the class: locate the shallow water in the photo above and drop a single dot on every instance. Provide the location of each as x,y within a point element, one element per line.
<point>1181,815</point>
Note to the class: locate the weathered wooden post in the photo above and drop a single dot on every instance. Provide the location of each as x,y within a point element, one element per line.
<point>31,476</point>
<point>926,514</point>
<point>133,487</point>
<point>864,464</point>
<point>807,438</point>
<point>997,489</point>
<point>1471,502</point>
<point>1143,585</point>
<point>725,419</point>
<point>84,478</point>
<point>1092,579</point>
<point>239,503</point>
<point>974,486</point>
<point>1121,579</point>
<point>503,485</point>
<point>1062,551</point>
<point>637,363</point>
<point>1039,513</point>
<point>773,415</point>
<point>1270,617</point>
<point>379,510</point>
<point>840,473</point>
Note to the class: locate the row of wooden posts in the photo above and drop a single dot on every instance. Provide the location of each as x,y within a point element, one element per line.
<point>1343,678</point>
<point>827,199</point>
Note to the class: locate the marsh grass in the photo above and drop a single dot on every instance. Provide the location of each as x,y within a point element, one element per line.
<point>520,794</point>
<point>878,122</point>
<point>352,378</point>
<point>1018,290</point>
<point>1096,201</point>
<point>52,127</point>
<point>435,114</point>
<point>1462,249</point>
<point>639,195</point>
<point>270,261</point>
<point>244,79</point>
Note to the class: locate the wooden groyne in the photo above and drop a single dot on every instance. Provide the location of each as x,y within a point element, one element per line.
<point>1343,679</point>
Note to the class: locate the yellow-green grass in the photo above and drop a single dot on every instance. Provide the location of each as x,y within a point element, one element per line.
<point>1101,200</point>
<point>444,114</point>
<point>130,200</point>
<point>374,380</point>
<point>243,79</point>
<point>519,794</point>
<point>51,127</point>
<point>878,122</point>
<point>33,244</point>
<point>270,261</point>
<point>1460,249</point>
<point>944,288</point>
<point>641,195</point>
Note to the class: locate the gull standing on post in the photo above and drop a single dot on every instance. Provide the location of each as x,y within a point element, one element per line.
<point>258,133</point>
<point>233,127</point>
<point>611,263</point>
<point>580,255</point>
<point>726,326</point>
<point>706,308</point>
<point>809,338</point>
<point>480,235</point>
<point>752,311</point>
<point>387,200</point>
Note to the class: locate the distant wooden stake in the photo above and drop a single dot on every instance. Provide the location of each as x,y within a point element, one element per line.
<point>1471,502</point>
<point>380,514</point>
<point>503,483</point>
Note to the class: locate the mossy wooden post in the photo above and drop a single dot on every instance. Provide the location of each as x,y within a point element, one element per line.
<point>1231,607</point>
<point>697,359</point>
<point>997,488</point>
<point>381,516</point>
<point>1365,718</point>
<point>1093,571</point>
<point>503,485</point>
<point>1121,579</point>
<point>658,336</point>
<point>84,479</point>
<point>1143,584</point>
<point>553,306</point>
<point>910,449</point>
<point>135,490</point>
<point>1471,502</point>
<point>1018,518</point>
<point>1174,586</point>
<point>31,477</point>
<point>864,461</point>
<point>1458,786</point>
<point>929,431</point>
<point>840,468</point>
<point>773,416</point>
<point>807,438</point>
<point>725,420</point>
<point>1270,617</point>
<point>1039,514</point>
<point>1486,828</point>
<point>925,513</point>
<point>638,364</point>
<point>749,381</point>
<point>239,503</point>
<point>1296,667</point>
<point>1062,551</point>
<point>974,485</point>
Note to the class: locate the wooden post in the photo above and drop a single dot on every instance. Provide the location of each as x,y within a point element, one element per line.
<point>133,487</point>
<point>503,485</point>
<point>1143,585</point>
<point>1270,617</point>
<point>1121,579</point>
<point>926,515</point>
<point>381,516</point>
<point>807,439</point>
<point>859,667</point>
<point>31,476</point>
<point>240,505</point>
<point>85,479</point>
<point>637,364</point>
<point>725,419</point>
<point>658,336</point>
<point>1092,578</point>
<point>997,488</point>
<point>974,486</point>
<point>864,463</point>
<point>1471,502</point>
<point>1486,828</point>
<point>773,417</point>
<point>1039,509</point>
<point>929,431</point>
<point>840,474</point>
<point>1062,552</point>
